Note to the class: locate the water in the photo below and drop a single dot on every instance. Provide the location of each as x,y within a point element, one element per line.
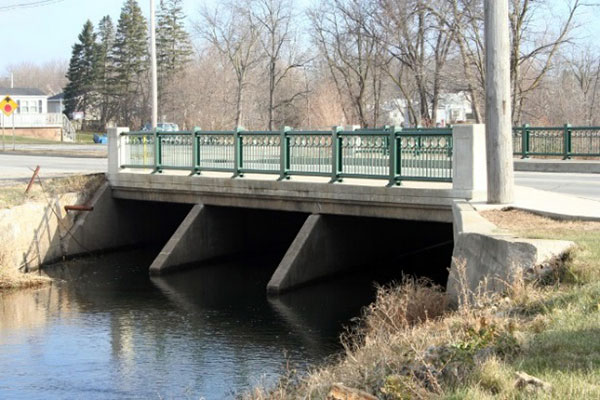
<point>109,331</point>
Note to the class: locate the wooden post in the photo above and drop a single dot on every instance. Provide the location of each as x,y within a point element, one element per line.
<point>500,182</point>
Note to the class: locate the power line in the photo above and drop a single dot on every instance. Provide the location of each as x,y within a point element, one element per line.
<point>29,4</point>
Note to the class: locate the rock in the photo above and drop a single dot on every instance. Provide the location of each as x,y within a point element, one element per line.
<point>341,392</point>
<point>531,383</point>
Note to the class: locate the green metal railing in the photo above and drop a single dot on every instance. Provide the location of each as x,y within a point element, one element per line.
<point>389,153</point>
<point>565,141</point>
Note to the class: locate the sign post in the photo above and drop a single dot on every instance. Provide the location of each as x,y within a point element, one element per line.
<point>8,107</point>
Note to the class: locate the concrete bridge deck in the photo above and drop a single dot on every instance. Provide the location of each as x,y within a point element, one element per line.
<point>422,201</point>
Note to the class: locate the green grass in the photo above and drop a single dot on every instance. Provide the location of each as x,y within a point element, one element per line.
<point>85,137</point>
<point>8,140</point>
<point>561,323</point>
<point>549,330</point>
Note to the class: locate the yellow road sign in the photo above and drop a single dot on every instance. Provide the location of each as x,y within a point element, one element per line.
<point>8,106</point>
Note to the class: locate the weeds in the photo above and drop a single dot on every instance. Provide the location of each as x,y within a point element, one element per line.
<point>409,345</point>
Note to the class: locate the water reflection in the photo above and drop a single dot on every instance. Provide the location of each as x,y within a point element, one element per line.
<point>110,331</point>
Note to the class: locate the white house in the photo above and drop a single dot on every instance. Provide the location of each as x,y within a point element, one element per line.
<point>452,108</point>
<point>38,115</point>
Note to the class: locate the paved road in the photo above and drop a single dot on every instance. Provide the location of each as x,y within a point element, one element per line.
<point>586,186</point>
<point>20,167</point>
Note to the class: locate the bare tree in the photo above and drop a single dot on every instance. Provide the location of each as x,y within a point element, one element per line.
<point>48,77</point>
<point>233,31</point>
<point>417,35</point>
<point>350,52</point>
<point>280,46</point>
<point>585,68</point>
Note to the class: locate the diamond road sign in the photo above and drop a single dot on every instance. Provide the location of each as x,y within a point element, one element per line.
<point>8,106</point>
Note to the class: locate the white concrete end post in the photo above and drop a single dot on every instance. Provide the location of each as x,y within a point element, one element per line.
<point>115,150</point>
<point>469,159</point>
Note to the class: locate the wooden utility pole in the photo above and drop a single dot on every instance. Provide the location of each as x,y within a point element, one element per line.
<point>500,182</point>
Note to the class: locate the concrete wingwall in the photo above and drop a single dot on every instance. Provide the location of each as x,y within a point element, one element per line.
<point>34,233</point>
<point>115,223</point>
<point>489,259</point>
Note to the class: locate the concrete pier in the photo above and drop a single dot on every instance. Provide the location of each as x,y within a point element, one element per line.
<point>205,233</point>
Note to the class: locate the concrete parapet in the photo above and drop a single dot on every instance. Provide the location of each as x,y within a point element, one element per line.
<point>204,233</point>
<point>469,158</point>
<point>489,259</point>
<point>115,149</point>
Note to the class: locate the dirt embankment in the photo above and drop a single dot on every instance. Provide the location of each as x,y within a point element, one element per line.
<point>33,226</point>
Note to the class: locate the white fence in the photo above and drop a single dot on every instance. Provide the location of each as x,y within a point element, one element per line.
<point>35,120</point>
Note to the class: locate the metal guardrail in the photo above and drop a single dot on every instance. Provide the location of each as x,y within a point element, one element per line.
<point>566,141</point>
<point>390,153</point>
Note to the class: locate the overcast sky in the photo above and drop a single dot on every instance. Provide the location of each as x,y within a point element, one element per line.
<point>47,32</point>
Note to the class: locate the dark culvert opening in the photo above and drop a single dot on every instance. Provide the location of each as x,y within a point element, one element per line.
<point>384,250</point>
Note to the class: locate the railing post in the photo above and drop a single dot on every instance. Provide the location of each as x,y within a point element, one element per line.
<point>238,155</point>
<point>567,142</point>
<point>157,152</point>
<point>116,150</point>
<point>469,171</point>
<point>336,154</point>
<point>525,141</point>
<point>284,153</point>
<point>393,153</point>
<point>196,151</point>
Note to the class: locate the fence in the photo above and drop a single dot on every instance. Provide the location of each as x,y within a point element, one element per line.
<point>390,153</point>
<point>566,141</point>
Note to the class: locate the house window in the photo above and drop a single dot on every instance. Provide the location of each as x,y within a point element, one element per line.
<point>18,106</point>
<point>25,106</point>
<point>40,106</point>
<point>33,107</point>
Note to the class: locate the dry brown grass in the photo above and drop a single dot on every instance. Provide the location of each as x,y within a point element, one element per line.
<point>409,346</point>
<point>10,279</point>
<point>14,195</point>
<point>523,222</point>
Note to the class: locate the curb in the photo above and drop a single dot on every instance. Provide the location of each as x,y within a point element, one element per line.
<point>581,167</point>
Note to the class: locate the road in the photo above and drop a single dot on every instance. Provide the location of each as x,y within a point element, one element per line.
<point>20,167</point>
<point>586,186</point>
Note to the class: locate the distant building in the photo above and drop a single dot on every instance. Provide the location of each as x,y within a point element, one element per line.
<point>452,108</point>
<point>38,115</point>
<point>56,103</point>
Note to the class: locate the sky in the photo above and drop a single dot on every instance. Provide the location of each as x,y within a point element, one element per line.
<point>46,33</point>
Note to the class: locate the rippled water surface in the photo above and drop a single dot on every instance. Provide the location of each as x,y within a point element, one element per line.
<point>109,331</point>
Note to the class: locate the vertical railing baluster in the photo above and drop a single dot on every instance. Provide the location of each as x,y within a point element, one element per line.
<point>336,154</point>
<point>237,152</point>
<point>566,141</point>
<point>393,156</point>
<point>284,153</point>
<point>157,152</point>
<point>525,141</point>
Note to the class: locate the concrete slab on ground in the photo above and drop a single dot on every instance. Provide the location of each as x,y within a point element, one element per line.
<point>550,204</point>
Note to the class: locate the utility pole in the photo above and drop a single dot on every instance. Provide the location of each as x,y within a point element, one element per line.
<point>498,124</point>
<point>153,66</point>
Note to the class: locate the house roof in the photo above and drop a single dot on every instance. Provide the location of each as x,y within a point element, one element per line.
<point>59,96</point>
<point>21,92</point>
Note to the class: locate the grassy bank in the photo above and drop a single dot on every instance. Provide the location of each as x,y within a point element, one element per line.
<point>409,346</point>
<point>14,194</point>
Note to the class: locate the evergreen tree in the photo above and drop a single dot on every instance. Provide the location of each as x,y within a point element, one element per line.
<point>106,39</point>
<point>82,72</point>
<point>173,49</point>
<point>129,59</point>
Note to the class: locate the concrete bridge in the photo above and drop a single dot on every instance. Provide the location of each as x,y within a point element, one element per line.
<point>333,199</point>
